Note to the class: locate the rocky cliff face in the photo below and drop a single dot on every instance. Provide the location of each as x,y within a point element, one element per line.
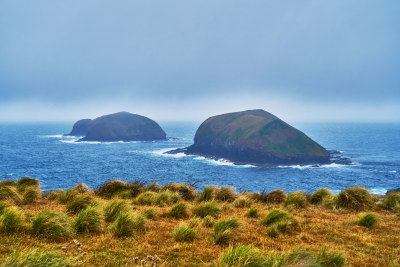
<point>121,126</point>
<point>255,137</point>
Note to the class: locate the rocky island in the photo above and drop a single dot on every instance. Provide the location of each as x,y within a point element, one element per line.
<point>121,126</point>
<point>254,137</point>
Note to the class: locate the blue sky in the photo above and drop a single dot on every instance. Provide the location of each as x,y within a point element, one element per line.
<point>187,60</point>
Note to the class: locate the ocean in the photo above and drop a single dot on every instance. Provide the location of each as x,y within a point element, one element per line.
<point>41,151</point>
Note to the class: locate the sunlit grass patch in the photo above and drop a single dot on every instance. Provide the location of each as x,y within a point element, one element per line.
<point>297,200</point>
<point>368,219</point>
<point>12,221</point>
<point>245,255</point>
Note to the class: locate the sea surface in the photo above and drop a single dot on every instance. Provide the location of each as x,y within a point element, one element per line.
<point>41,151</point>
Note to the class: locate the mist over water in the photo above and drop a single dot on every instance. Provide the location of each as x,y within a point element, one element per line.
<point>42,152</point>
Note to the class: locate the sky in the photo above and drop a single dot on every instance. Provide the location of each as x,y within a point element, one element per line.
<point>188,60</point>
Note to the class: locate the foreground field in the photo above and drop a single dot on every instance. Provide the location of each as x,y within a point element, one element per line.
<point>129,224</point>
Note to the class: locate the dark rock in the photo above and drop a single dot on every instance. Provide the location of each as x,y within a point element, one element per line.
<point>397,190</point>
<point>121,126</point>
<point>255,137</point>
<point>80,127</point>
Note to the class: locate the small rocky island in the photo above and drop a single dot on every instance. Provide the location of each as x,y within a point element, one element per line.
<point>254,137</point>
<point>121,126</point>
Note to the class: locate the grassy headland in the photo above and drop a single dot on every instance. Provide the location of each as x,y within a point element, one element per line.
<point>129,224</point>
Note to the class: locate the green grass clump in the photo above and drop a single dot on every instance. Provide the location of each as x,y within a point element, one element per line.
<point>245,256</point>
<point>88,221</point>
<point>330,259</point>
<point>3,206</point>
<point>297,200</point>
<point>208,221</point>
<point>50,225</point>
<point>179,211</point>
<point>242,202</point>
<point>368,219</point>
<point>68,196</point>
<point>126,223</point>
<point>252,212</point>
<point>392,201</point>
<point>222,233</point>
<point>184,233</point>
<point>319,195</point>
<point>30,195</point>
<point>12,221</point>
<point>112,188</point>
<point>149,213</point>
<point>206,208</point>
<point>274,216</point>
<point>330,202</point>
<point>276,196</point>
<point>9,193</point>
<point>297,257</point>
<point>166,198</point>
<point>225,194</point>
<point>25,182</point>
<point>8,182</point>
<point>115,208</point>
<point>207,194</point>
<point>78,204</point>
<point>356,198</point>
<point>35,258</point>
<point>146,198</point>
<point>187,192</point>
<point>279,221</point>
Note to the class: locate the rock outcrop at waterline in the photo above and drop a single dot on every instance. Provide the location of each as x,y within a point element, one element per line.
<point>121,126</point>
<point>255,137</point>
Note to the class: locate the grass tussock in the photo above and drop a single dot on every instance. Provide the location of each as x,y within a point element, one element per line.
<point>296,199</point>
<point>223,231</point>
<point>276,196</point>
<point>184,233</point>
<point>126,223</point>
<point>10,193</point>
<point>208,221</point>
<point>392,202</point>
<point>30,195</point>
<point>112,188</point>
<point>114,209</point>
<point>185,191</point>
<point>207,194</point>
<point>245,255</point>
<point>204,209</point>
<point>150,213</point>
<point>279,221</point>
<point>252,212</point>
<point>243,201</point>
<point>88,221</point>
<point>161,199</point>
<point>225,194</point>
<point>12,221</point>
<point>368,219</point>
<point>356,198</point>
<point>25,182</point>
<point>318,196</point>
<point>50,225</point>
<point>179,211</point>
<point>78,204</point>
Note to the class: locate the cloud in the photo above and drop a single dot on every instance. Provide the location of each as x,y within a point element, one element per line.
<point>182,52</point>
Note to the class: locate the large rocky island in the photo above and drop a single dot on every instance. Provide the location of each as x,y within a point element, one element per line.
<point>254,137</point>
<point>121,126</point>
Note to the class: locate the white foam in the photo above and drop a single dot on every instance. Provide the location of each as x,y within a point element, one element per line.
<point>378,191</point>
<point>161,152</point>
<point>331,165</point>
<point>392,171</point>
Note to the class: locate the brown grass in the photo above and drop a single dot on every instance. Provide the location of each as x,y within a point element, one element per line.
<point>335,229</point>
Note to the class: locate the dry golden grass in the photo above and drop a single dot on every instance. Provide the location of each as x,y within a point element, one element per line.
<point>335,229</point>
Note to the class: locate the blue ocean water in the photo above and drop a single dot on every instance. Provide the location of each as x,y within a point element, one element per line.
<point>40,151</point>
